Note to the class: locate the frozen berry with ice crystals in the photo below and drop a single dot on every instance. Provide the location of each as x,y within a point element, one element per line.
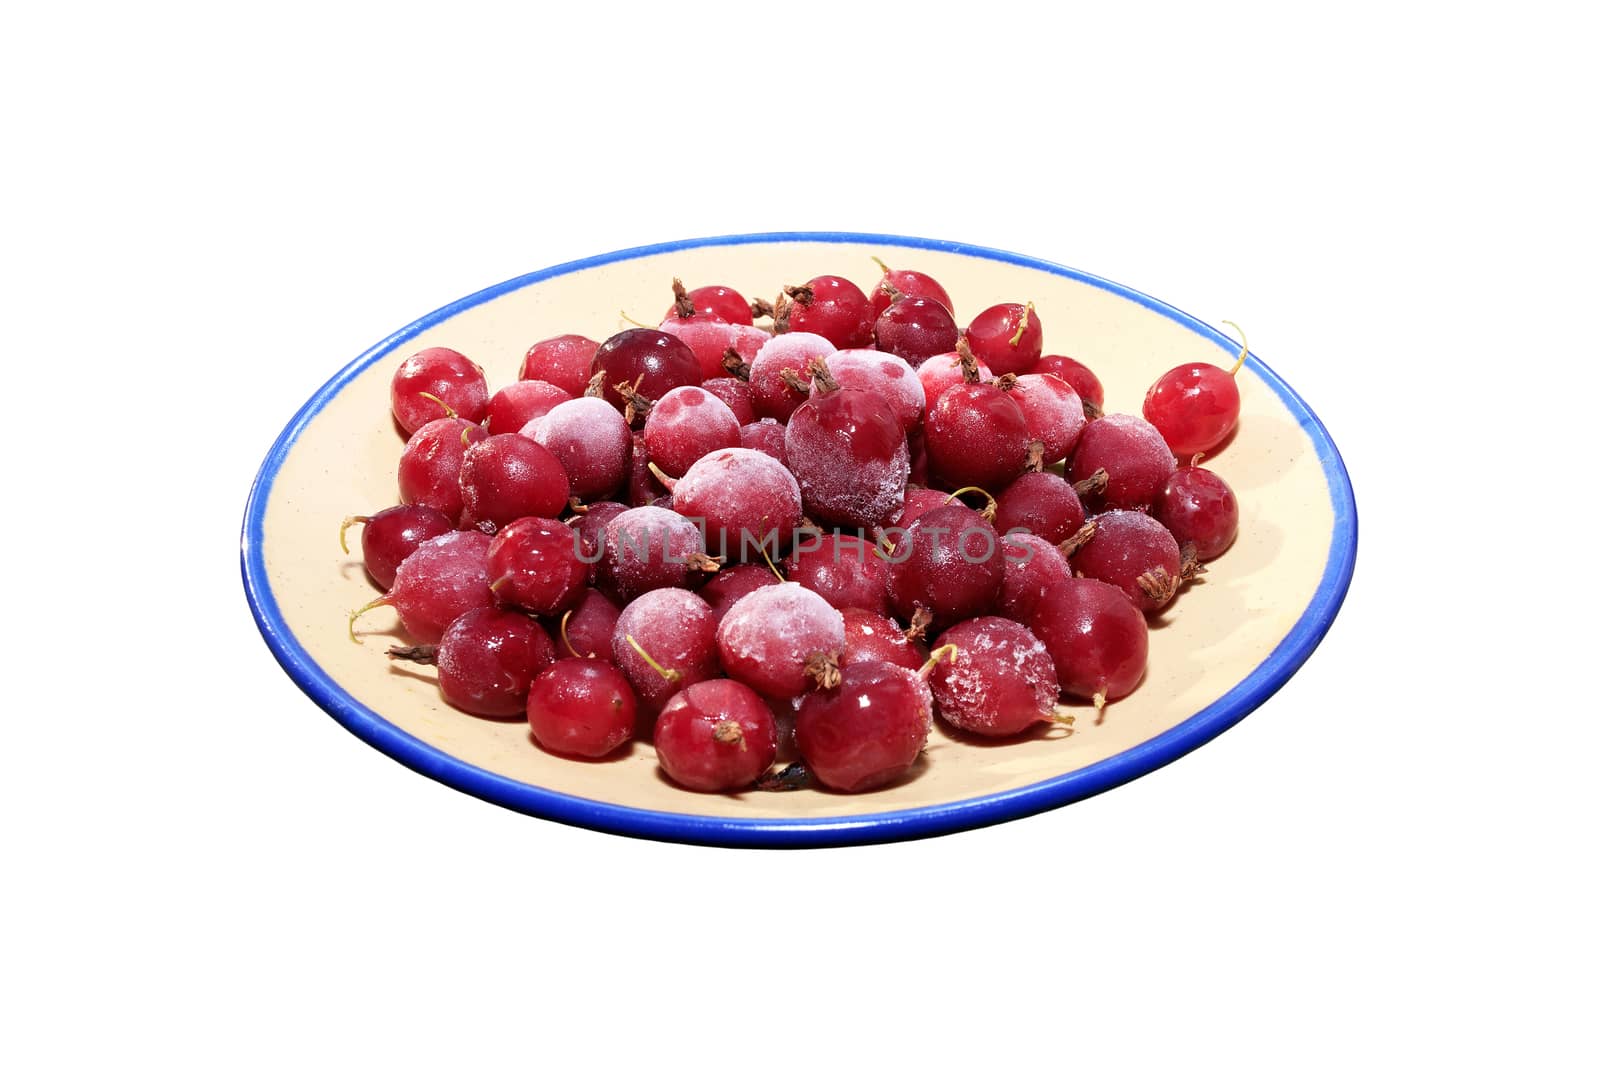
<point>1133,454</point>
<point>1075,375</point>
<point>686,425</point>
<point>520,404</point>
<point>1136,553</point>
<point>780,374</point>
<point>843,569</point>
<point>1054,412</point>
<point>975,434</point>
<point>592,442</point>
<point>1041,503</point>
<point>886,375</point>
<point>566,361</point>
<point>1033,567</point>
<point>781,639</point>
<point>665,641</point>
<point>848,452</point>
<point>746,501</point>
<point>999,680</point>
<point>652,547</point>
<point>443,579</point>
<point>950,563</point>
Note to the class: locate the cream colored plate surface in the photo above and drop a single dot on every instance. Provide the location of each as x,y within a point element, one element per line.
<point>1209,641</point>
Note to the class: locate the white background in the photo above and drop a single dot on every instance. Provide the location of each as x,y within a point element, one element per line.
<point>1385,871</point>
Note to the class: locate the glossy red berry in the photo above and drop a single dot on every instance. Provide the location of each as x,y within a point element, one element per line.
<point>388,536</point>
<point>843,569</point>
<point>506,477</point>
<point>665,641</point>
<point>488,658</point>
<point>781,640</point>
<point>535,564</point>
<point>1197,506</point>
<point>520,404</point>
<point>939,373</point>
<point>949,562</point>
<point>919,500</point>
<point>1097,638</point>
<point>998,681</point>
<point>582,708</point>
<point>566,361</point>
<point>915,328</point>
<point>1194,406</point>
<point>1007,337</point>
<point>766,436</point>
<point>437,383</point>
<point>716,735</point>
<point>848,452</point>
<point>976,435</point>
<point>1133,454</point>
<point>834,308</point>
<point>897,283</point>
<point>430,466</point>
<point>871,636</point>
<point>649,362</point>
<point>709,302</point>
<point>867,731</point>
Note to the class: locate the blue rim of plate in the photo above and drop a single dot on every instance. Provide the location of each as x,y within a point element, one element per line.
<point>908,824</point>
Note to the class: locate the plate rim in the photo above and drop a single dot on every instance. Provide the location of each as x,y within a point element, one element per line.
<point>1201,727</point>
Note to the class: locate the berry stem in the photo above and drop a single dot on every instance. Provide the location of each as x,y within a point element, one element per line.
<point>1157,584</point>
<point>1244,347</point>
<point>1091,411</point>
<point>680,300</point>
<point>566,618</point>
<point>350,627</point>
<point>969,363</point>
<point>989,504</point>
<point>576,506</point>
<point>770,565</point>
<point>735,365</point>
<point>1022,324</point>
<point>1069,547</point>
<point>417,654</point>
<point>1189,564</point>
<point>666,481</point>
<point>630,319</point>
<point>793,380</point>
<point>823,669</point>
<point>1060,715</point>
<point>1093,484</point>
<point>937,657</point>
<point>450,414</point>
<point>881,264</point>
<point>669,674</point>
<point>1099,700</point>
<point>360,519</point>
<point>760,309</point>
<point>821,378</point>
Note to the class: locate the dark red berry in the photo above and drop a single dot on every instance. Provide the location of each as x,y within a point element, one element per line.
<point>716,735</point>
<point>766,436</point>
<point>843,569</point>
<point>1054,412</point>
<point>735,394</point>
<point>976,435</point>
<point>590,525</point>
<point>949,562</point>
<point>430,465</point>
<point>388,536</point>
<point>506,477</point>
<point>871,636</point>
<point>868,730</point>
<point>1132,453</point>
<point>1042,503</point>
<point>833,308</point>
<point>999,680</point>
<point>915,328</point>
<point>1097,638</point>
<point>649,362</point>
<point>1007,337</point>
<point>780,374</point>
<point>583,708</point>
<point>1197,506</point>
<point>728,587</point>
<point>488,658</point>
<point>1033,567</point>
<point>534,564</point>
<point>652,547</point>
<point>1134,552</point>
<point>585,629</point>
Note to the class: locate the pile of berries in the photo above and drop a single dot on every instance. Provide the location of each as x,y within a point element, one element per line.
<point>779,554</point>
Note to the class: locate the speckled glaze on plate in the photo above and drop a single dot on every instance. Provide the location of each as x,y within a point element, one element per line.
<point>1227,644</point>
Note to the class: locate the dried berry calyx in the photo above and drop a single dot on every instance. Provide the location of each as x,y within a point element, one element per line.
<point>823,669</point>
<point>417,654</point>
<point>735,365</point>
<point>1093,484</point>
<point>682,306</point>
<point>1071,544</point>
